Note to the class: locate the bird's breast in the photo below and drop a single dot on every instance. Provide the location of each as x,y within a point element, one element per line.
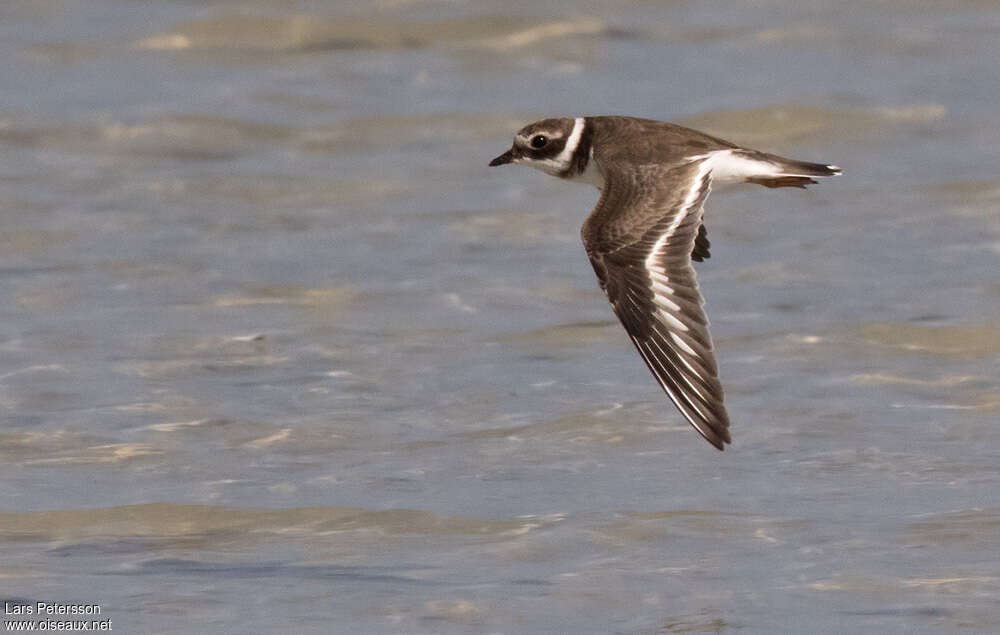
<point>591,175</point>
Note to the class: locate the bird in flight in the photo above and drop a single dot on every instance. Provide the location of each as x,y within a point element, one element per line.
<point>647,229</point>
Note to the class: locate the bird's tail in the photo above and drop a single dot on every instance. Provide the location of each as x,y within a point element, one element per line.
<point>789,172</point>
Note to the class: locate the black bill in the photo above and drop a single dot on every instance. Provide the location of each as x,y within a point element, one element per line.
<point>503,159</point>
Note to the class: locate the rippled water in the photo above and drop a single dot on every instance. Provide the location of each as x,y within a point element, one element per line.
<point>280,354</point>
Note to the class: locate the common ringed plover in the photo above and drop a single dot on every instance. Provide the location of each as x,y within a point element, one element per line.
<point>647,227</point>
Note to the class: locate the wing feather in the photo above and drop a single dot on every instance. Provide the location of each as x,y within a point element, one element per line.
<point>641,239</point>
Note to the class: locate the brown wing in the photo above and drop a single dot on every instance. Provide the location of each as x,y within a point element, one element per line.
<point>640,240</point>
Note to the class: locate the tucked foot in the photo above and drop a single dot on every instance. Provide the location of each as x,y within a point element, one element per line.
<point>782,181</point>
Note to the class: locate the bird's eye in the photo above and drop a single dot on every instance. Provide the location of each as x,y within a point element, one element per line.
<point>538,141</point>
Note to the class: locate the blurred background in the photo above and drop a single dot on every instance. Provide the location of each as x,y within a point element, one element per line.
<point>279,353</point>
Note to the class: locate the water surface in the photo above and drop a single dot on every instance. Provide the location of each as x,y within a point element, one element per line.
<point>279,353</point>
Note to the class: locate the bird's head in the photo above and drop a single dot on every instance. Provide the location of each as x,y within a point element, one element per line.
<point>547,145</point>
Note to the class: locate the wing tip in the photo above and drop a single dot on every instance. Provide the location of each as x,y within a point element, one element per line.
<point>709,418</point>
<point>714,437</point>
